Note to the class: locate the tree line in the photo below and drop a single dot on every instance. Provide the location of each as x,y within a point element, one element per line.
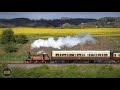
<point>62,23</point>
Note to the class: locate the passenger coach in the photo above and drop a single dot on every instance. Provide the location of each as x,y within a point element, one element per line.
<point>81,55</point>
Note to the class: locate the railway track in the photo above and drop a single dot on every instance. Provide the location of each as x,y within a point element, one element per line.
<point>85,62</point>
<point>31,65</point>
<point>62,63</point>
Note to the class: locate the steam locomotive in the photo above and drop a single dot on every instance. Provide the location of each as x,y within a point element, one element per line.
<point>75,56</point>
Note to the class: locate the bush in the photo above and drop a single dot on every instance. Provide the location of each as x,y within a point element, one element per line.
<point>10,47</point>
<point>7,36</point>
<point>21,39</point>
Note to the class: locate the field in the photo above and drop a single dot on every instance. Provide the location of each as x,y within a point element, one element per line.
<point>107,39</point>
<point>35,33</point>
<point>66,71</point>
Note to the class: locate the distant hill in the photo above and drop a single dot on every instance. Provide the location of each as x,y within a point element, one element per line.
<point>76,22</point>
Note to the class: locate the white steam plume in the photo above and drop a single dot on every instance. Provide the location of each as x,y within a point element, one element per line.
<point>62,41</point>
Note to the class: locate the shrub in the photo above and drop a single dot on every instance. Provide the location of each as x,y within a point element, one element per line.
<point>7,36</point>
<point>10,47</point>
<point>21,39</point>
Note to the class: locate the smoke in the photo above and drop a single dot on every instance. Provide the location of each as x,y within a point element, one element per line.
<point>63,41</point>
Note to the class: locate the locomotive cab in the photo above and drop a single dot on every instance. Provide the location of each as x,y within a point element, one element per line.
<point>45,56</point>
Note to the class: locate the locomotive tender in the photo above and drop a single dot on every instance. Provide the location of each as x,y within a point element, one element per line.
<point>75,56</point>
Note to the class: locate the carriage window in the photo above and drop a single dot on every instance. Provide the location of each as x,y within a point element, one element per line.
<point>92,55</point>
<point>105,55</point>
<point>82,55</point>
<point>99,54</point>
<point>115,55</point>
<point>57,55</point>
<point>88,55</point>
<point>71,55</point>
<point>78,55</point>
<point>63,55</point>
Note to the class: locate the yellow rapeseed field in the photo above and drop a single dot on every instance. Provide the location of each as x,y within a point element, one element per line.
<point>55,31</point>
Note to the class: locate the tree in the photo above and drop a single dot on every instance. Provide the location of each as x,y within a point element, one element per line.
<point>7,36</point>
<point>21,39</point>
<point>10,47</point>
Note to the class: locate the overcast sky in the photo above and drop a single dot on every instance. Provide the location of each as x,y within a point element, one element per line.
<point>57,15</point>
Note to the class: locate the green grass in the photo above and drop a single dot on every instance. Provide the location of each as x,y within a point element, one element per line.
<point>13,56</point>
<point>67,71</point>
